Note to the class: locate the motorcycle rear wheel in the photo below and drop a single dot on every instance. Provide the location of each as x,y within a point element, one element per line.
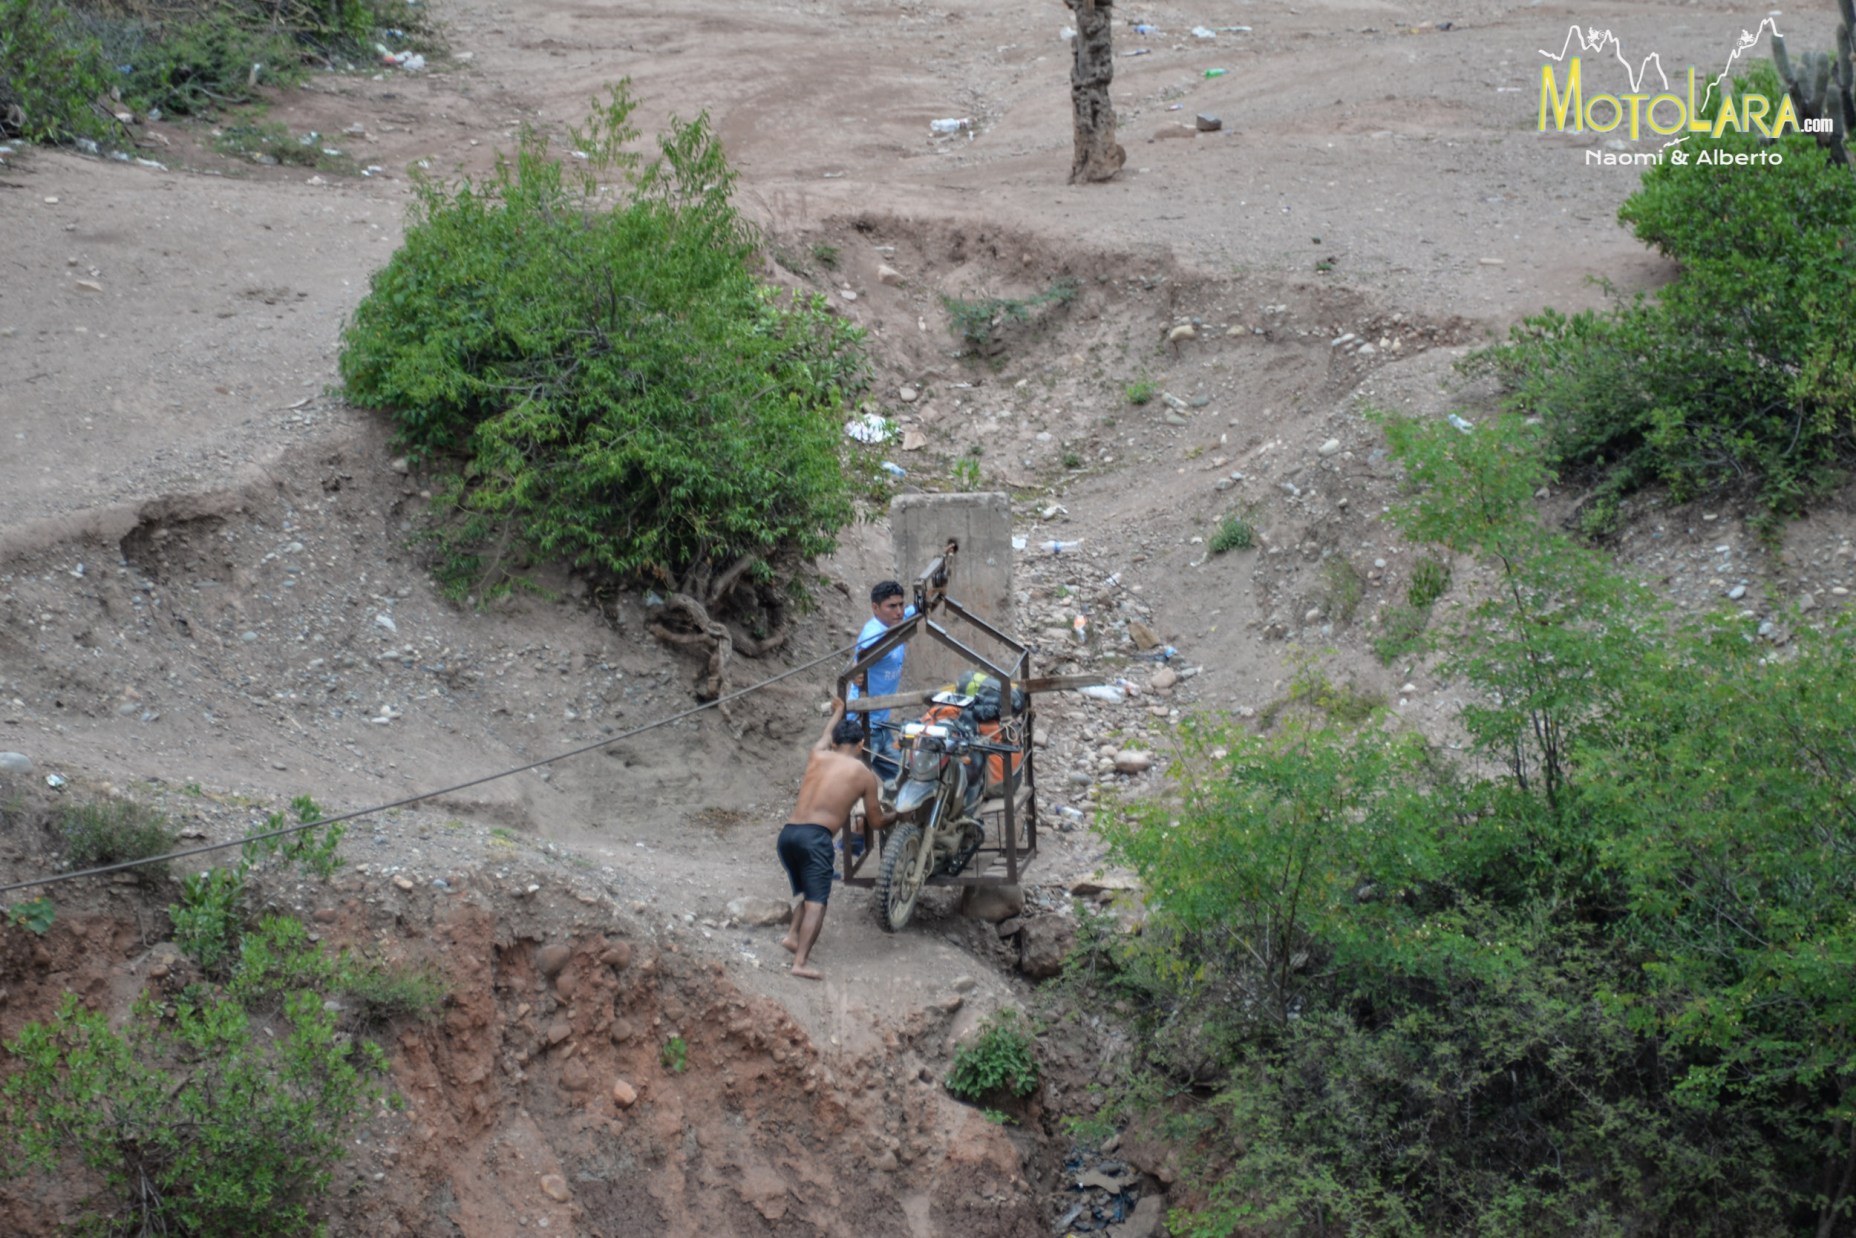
<point>898,884</point>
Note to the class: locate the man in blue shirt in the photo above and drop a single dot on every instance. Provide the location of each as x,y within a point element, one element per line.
<point>887,609</point>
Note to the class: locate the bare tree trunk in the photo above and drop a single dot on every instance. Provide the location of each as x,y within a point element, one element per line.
<point>1097,157</point>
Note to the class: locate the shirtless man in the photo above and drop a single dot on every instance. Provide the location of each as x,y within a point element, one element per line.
<point>835,780</point>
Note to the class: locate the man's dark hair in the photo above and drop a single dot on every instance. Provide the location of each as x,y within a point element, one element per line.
<point>848,731</point>
<point>883,590</point>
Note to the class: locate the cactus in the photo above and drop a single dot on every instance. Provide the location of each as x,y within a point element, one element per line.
<point>1821,87</point>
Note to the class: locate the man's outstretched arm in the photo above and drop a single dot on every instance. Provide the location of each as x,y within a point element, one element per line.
<point>831,723</point>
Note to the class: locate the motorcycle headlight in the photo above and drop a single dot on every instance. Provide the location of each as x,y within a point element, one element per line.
<point>924,762</point>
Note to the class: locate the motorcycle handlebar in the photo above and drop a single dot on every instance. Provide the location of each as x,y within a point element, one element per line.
<point>977,745</point>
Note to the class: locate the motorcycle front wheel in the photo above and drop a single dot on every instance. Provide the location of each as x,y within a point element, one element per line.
<point>898,882</point>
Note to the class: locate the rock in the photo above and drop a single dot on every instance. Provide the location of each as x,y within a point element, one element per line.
<point>1736,593</point>
<point>1144,1221</point>
<point>1099,883</point>
<point>886,274</point>
<point>1046,943</point>
<point>992,903</point>
<point>907,394</point>
<point>963,984</point>
<point>1208,123</point>
<point>574,1075</point>
<point>386,621</point>
<point>617,956</point>
<point>403,881</point>
<point>401,465</point>
<point>1329,448</point>
<point>762,912</point>
<point>1144,637</point>
<point>551,958</point>
<point>89,285</point>
<point>15,763</point>
<point>1010,926</point>
<point>1164,679</point>
<point>624,1095</point>
<point>554,1187</point>
<point>1133,761</point>
<point>559,1031</point>
<point>762,1187</point>
<point>1184,331</point>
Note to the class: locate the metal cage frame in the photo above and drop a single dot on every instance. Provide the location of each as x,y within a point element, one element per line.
<point>1019,801</point>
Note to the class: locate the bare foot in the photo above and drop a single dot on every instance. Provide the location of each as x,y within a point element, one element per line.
<point>790,946</point>
<point>807,973</point>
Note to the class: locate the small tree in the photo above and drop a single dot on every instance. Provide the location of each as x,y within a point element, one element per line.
<point>584,346</point>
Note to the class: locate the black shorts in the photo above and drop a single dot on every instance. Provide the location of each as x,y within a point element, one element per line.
<point>806,852</point>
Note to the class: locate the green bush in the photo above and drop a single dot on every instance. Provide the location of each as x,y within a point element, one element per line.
<point>52,74</point>
<point>1740,369</point>
<point>1591,976</point>
<point>111,831</point>
<point>1233,533</point>
<point>210,919</point>
<point>998,1060</point>
<point>1430,580</point>
<point>981,324</point>
<point>612,388</point>
<point>1401,633</point>
<point>197,1122</point>
<point>1142,390</point>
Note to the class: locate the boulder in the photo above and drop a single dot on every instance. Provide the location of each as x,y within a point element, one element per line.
<point>764,912</point>
<point>1046,942</point>
<point>992,903</point>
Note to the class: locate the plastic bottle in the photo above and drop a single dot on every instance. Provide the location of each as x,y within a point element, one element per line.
<point>949,125</point>
<point>1079,629</point>
<point>894,469</point>
<point>1108,693</point>
<point>1215,72</point>
<point>1060,547</point>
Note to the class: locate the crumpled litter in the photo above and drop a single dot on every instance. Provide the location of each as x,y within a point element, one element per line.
<point>870,428</point>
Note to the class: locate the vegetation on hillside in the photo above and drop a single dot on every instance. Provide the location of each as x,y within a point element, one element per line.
<point>583,344</point>
<point>66,68</point>
<point>1590,976</point>
<point>1738,373</point>
<point>219,1110</point>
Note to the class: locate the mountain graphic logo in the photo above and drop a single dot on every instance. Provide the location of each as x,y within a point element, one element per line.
<point>1566,106</point>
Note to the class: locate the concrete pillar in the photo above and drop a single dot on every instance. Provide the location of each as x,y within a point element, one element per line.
<point>920,525</point>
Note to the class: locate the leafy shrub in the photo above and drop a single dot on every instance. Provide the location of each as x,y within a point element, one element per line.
<point>110,831</point>
<point>980,324</point>
<point>1738,370</point>
<point>196,66</point>
<point>675,1055</point>
<point>198,1123</point>
<point>1430,580</point>
<point>1591,977</point>
<point>277,958</point>
<point>1234,533</point>
<point>998,1060</point>
<point>612,387</point>
<point>51,74</point>
<point>1401,633</point>
<point>209,920</point>
<point>1142,390</point>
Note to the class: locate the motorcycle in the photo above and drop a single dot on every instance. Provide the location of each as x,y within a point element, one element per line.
<point>936,797</point>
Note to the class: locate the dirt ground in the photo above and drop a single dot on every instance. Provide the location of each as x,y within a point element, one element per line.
<point>207,596</point>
